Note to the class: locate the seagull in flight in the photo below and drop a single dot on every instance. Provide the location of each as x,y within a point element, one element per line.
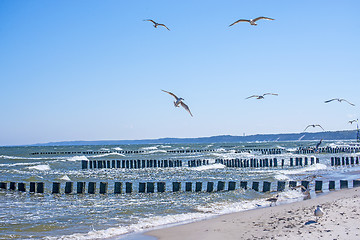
<point>339,100</point>
<point>251,21</point>
<point>313,125</point>
<point>351,122</point>
<point>261,96</point>
<point>157,24</point>
<point>179,101</point>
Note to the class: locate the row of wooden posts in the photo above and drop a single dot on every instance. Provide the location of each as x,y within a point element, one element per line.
<point>235,162</point>
<point>305,150</point>
<point>343,161</point>
<point>118,151</point>
<point>266,162</point>
<point>133,163</point>
<point>149,187</point>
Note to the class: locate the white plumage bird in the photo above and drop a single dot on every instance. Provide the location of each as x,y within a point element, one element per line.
<point>179,101</point>
<point>319,212</point>
<point>251,21</point>
<point>262,96</point>
<point>314,125</point>
<point>340,100</point>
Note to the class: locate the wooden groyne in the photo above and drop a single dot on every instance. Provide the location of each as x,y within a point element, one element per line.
<point>309,150</point>
<point>234,162</point>
<point>268,162</point>
<point>160,187</point>
<point>263,151</point>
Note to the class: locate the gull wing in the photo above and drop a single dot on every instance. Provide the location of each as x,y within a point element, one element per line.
<point>331,100</point>
<point>252,96</point>
<point>320,126</point>
<point>186,107</point>
<point>164,26</point>
<point>271,94</point>
<point>265,18</point>
<point>351,121</point>
<point>240,20</point>
<point>307,127</point>
<point>150,20</point>
<point>176,98</point>
<point>347,102</point>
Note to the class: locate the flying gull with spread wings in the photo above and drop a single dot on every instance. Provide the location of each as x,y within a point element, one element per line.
<point>251,21</point>
<point>156,24</point>
<point>261,96</point>
<point>351,121</point>
<point>339,100</point>
<point>179,101</point>
<point>313,125</point>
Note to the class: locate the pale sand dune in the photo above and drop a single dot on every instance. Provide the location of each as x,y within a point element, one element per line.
<point>289,221</point>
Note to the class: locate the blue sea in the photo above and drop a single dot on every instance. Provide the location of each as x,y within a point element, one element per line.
<point>26,215</point>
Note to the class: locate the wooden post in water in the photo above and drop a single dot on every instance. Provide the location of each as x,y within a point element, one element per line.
<point>176,186</point>
<point>21,187</point>
<point>318,186</point>
<point>220,186</point>
<point>305,184</point>
<point>80,187</point>
<point>12,186</point>
<point>142,187</point>
<point>266,186</point>
<point>56,188</point>
<point>3,185</point>
<point>68,187</point>
<point>281,186</point>
<point>103,187</point>
<point>188,186</point>
<point>150,187</point>
<point>255,186</point>
<point>343,184</point>
<point>210,187</point>
<point>84,164</point>
<point>32,187</point>
<point>117,187</point>
<point>331,185</point>
<point>356,183</point>
<point>161,187</point>
<point>91,187</point>
<point>128,187</point>
<point>40,187</point>
<point>292,184</point>
<point>198,186</point>
<point>231,186</point>
<point>243,184</point>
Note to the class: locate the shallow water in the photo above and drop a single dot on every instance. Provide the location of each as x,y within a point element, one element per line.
<point>91,216</point>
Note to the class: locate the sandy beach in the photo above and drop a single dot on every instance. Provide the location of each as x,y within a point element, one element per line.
<point>293,220</point>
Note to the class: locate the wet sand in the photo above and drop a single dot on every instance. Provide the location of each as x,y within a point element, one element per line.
<point>288,221</point>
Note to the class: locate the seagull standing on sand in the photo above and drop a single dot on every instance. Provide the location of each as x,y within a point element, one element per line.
<point>251,21</point>
<point>273,200</point>
<point>318,212</point>
<point>156,24</point>
<point>313,125</point>
<point>179,101</point>
<point>339,100</point>
<point>262,96</point>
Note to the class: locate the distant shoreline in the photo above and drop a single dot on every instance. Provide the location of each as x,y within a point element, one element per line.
<point>283,137</point>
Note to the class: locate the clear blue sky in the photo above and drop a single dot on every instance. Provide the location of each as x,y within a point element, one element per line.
<point>94,70</point>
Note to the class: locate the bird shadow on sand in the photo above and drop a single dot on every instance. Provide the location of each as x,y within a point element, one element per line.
<point>310,222</point>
